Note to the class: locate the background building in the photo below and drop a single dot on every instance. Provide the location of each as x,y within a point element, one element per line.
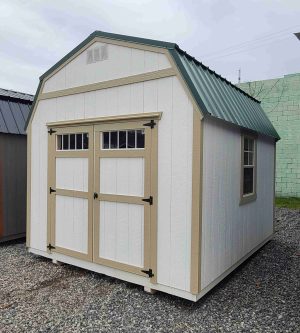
<point>280,98</point>
<point>14,110</point>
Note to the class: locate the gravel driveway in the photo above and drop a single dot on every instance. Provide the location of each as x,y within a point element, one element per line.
<point>262,295</point>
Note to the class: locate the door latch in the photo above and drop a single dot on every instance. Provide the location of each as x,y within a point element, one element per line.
<point>149,272</point>
<point>150,200</point>
<point>95,195</point>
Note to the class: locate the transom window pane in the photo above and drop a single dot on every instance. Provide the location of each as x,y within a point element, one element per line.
<point>124,139</point>
<point>78,141</point>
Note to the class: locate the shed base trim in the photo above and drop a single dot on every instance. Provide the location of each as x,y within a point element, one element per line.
<point>125,276</point>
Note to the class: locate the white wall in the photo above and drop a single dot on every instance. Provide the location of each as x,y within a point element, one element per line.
<point>121,62</point>
<point>175,163</point>
<point>230,231</point>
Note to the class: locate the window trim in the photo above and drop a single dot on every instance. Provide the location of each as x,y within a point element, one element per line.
<point>246,198</point>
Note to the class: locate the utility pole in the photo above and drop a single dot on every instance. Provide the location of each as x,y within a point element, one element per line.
<point>239,78</point>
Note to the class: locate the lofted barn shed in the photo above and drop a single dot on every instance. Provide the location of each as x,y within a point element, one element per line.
<point>14,111</point>
<point>147,166</point>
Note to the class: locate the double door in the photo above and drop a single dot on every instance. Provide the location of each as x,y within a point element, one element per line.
<point>100,205</point>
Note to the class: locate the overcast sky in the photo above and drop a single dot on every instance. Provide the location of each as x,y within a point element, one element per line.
<point>254,35</point>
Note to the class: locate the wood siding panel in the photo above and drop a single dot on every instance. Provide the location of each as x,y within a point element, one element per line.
<point>122,62</point>
<point>174,163</point>
<point>230,231</point>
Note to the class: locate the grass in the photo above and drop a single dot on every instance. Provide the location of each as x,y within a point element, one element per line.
<point>290,202</point>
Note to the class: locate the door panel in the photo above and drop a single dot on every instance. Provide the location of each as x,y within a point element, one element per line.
<point>72,173</point>
<point>70,200</point>
<point>123,176</point>
<point>122,181</point>
<point>71,220</point>
<point>122,233</point>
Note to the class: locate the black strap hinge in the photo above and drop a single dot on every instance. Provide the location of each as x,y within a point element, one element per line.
<point>51,190</point>
<point>150,200</point>
<point>51,131</point>
<point>151,124</point>
<point>50,247</point>
<point>149,272</point>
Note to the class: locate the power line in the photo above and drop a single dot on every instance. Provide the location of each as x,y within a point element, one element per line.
<point>248,43</point>
<point>245,49</point>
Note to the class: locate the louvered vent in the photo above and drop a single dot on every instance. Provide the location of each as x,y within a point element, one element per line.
<point>96,54</point>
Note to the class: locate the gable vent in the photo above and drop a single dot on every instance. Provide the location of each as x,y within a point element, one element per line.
<point>96,54</point>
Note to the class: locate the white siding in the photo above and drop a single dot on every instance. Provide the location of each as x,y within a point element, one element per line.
<point>230,231</point>
<point>174,170</point>
<point>121,62</point>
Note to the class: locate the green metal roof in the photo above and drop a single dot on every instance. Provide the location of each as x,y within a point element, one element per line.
<point>215,96</point>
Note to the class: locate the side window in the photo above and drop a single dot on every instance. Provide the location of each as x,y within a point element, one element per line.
<point>124,139</point>
<point>78,141</point>
<point>248,186</point>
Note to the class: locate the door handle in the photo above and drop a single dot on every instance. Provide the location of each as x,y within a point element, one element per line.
<point>95,195</point>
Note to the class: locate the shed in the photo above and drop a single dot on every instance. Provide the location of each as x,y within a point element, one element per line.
<point>14,111</point>
<point>147,166</point>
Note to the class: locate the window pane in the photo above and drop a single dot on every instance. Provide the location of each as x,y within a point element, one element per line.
<point>246,146</point>
<point>251,144</point>
<point>113,140</point>
<point>79,141</point>
<point>66,141</point>
<point>250,154</point>
<point>246,158</point>
<point>140,140</point>
<point>59,142</point>
<point>72,141</point>
<point>131,139</point>
<point>85,141</point>
<point>248,181</point>
<point>122,139</point>
<point>105,138</point>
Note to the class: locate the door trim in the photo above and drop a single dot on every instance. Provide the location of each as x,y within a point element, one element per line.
<point>52,154</point>
<point>146,154</point>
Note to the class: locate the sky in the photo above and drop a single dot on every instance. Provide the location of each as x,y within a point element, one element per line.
<point>255,36</point>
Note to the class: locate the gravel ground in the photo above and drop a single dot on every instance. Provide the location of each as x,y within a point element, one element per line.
<point>262,295</point>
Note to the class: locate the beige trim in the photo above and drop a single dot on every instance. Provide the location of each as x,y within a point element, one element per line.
<point>196,230</point>
<point>72,193</point>
<point>121,198</point>
<point>146,153</point>
<point>109,119</point>
<point>247,198</point>
<point>153,211</point>
<point>110,84</point>
<point>52,155</point>
<point>28,195</point>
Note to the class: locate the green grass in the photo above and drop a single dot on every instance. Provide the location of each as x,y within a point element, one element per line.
<point>290,202</point>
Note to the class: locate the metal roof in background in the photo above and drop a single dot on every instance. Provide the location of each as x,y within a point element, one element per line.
<point>14,111</point>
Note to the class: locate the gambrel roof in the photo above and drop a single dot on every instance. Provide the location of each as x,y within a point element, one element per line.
<point>215,96</point>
